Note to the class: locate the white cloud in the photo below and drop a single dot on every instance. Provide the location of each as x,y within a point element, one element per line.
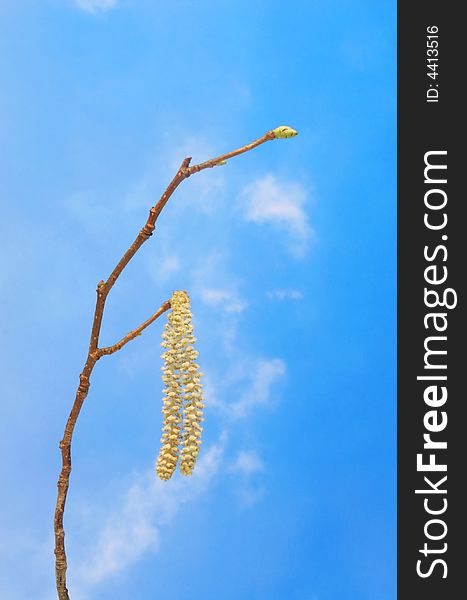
<point>265,375</point>
<point>134,528</point>
<point>161,268</point>
<point>168,265</point>
<point>270,200</point>
<point>96,6</point>
<point>256,377</point>
<point>284,295</point>
<point>223,298</point>
<point>247,463</point>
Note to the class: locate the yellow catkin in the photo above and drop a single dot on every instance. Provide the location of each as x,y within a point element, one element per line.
<point>182,401</point>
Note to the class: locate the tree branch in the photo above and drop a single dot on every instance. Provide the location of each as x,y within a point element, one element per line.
<point>213,162</point>
<point>131,336</point>
<point>94,352</point>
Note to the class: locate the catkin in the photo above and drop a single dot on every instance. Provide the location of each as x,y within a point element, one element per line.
<point>182,401</point>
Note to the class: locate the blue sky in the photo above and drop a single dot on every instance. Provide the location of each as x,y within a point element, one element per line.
<point>288,254</point>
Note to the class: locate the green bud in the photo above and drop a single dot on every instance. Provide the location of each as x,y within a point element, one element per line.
<point>284,132</point>
<point>221,163</point>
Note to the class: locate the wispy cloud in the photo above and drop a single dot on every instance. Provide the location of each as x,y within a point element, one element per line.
<point>264,376</point>
<point>226,299</point>
<point>133,528</point>
<point>161,268</point>
<point>284,295</point>
<point>252,379</point>
<point>96,6</point>
<point>281,203</point>
<point>247,463</point>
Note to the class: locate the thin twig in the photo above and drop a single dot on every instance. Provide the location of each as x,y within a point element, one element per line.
<point>131,336</point>
<point>95,353</point>
<point>224,157</point>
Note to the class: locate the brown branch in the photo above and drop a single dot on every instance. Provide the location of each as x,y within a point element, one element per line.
<point>94,353</point>
<point>131,336</point>
<point>213,162</point>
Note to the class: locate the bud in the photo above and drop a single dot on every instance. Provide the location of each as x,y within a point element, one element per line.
<point>284,132</point>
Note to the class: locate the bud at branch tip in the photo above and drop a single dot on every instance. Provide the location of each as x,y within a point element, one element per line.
<point>284,132</point>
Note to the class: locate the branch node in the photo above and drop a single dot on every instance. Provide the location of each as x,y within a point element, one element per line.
<point>83,384</point>
<point>185,170</point>
<point>147,230</point>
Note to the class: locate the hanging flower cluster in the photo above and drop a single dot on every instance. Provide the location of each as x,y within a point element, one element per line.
<point>183,399</point>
